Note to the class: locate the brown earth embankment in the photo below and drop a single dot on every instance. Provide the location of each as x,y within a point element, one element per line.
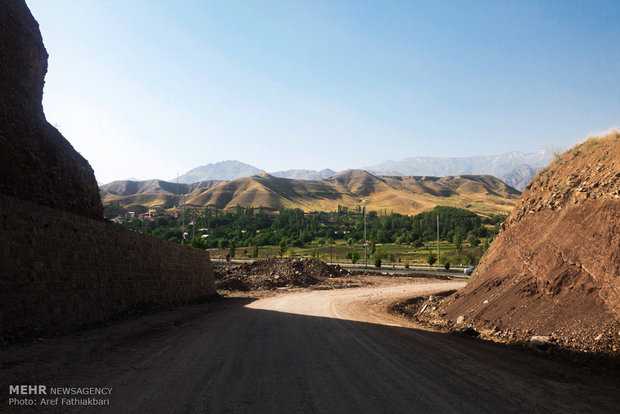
<point>554,270</point>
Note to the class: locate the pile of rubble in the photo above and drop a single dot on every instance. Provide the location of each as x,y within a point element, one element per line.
<point>273,273</point>
<point>428,311</point>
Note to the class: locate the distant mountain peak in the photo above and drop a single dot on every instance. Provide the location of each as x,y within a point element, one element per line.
<point>232,170</point>
<point>301,174</point>
<point>223,170</point>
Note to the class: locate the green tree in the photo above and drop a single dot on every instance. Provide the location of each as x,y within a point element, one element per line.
<point>199,243</point>
<point>485,245</point>
<point>472,259</point>
<point>353,256</point>
<point>233,247</point>
<point>255,252</point>
<point>431,259</point>
<point>282,248</point>
<point>392,258</point>
<point>458,239</point>
<point>473,239</point>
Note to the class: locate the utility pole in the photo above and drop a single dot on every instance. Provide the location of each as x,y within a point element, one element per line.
<point>194,227</point>
<point>183,220</point>
<point>183,225</point>
<point>438,261</point>
<point>365,240</point>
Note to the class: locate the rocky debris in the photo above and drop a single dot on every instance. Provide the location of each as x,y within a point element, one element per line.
<point>424,310</point>
<point>469,331</point>
<point>36,162</point>
<point>553,270</point>
<point>428,311</point>
<point>540,343</point>
<point>232,283</point>
<point>561,184</point>
<point>273,273</point>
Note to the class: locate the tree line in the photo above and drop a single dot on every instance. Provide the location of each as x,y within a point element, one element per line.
<point>249,226</point>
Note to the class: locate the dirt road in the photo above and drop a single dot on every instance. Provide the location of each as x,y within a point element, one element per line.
<point>320,351</point>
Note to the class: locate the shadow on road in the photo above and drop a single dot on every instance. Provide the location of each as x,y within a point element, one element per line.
<point>225,357</point>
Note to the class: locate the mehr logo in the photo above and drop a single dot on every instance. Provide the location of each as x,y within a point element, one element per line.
<point>28,389</point>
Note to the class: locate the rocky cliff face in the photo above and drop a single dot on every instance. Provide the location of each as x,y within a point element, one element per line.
<point>36,162</point>
<point>555,267</point>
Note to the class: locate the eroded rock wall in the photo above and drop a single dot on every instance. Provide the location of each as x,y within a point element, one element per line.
<point>36,162</point>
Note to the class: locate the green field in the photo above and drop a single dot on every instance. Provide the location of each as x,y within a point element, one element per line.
<point>393,254</point>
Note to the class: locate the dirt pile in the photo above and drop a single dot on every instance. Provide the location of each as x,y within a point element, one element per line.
<point>273,273</point>
<point>554,270</point>
<point>36,162</point>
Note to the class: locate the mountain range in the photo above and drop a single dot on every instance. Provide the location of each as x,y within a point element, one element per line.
<point>514,168</point>
<point>483,194</point>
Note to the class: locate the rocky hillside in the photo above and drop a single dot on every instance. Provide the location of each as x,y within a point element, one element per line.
<point>554,270</point>
<point>408,195</point>
<point>36,162</point>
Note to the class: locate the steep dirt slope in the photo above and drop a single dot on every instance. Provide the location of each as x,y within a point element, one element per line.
<point>555,267</point>
<point>36,162</point>
<point>409,195</point>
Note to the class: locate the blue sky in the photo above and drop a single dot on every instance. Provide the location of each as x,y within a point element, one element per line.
<point>147,89</point>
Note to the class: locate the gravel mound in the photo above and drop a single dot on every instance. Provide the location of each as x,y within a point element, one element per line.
<point>273,273</point>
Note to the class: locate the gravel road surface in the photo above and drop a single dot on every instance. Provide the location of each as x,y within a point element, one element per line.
<point>325,351</point>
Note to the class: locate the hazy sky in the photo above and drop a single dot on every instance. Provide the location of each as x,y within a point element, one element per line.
<point>147,89</point>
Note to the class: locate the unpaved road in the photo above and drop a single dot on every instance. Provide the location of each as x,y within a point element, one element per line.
<point>328,351</point>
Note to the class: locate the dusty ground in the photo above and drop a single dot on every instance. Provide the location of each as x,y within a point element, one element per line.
<point>335,350</point>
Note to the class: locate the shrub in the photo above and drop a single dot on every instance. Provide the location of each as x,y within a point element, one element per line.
<point>353,256</point>
<point>282,249</point>
<point>591,142</point>
<point>472,259</point>
<point>431,259</point>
